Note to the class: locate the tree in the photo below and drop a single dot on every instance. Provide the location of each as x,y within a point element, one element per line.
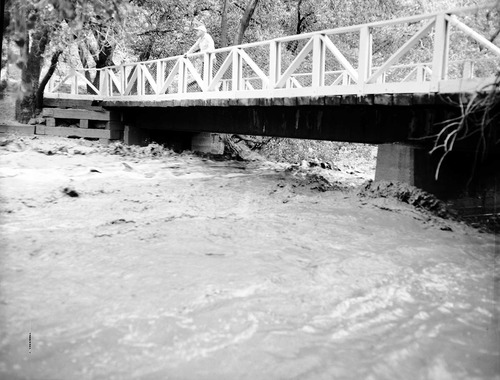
<point>32,49</point>
<point>2,24</point>
<point>223,24</point>
<point>40,28</point>
<point>299,23</point>
<point>245,20</point>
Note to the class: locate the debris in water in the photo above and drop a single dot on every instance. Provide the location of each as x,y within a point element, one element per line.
<point>121,221</point>
<point>70,192</point>
<point>127,168</point>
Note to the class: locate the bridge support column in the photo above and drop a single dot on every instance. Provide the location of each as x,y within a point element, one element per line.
<point>396,162</point>
<point>133,136</point>
<point>410,164</point>
<point>469,195</point>
<point>207,143</point>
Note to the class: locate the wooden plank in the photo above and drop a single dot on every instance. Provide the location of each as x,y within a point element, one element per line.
<point>84,123</point>
<point>419,99</point>
<point>403,99</point>
<point>383,99</point>
<point>317,101</point>
<point>397,88</point>
<point>219,102</point>
<point>278,101</point>
<point>70,103</point>
<point>465,85</point>
<point>290,102</point>
<point>248,102</point>
<point>349,99</point>
<point>365,100</point>
<point>303,100</point>
<point>78,132</point>
<point>266,102</point>
<point>17,129</point>
<point>66,113</point>
<point>334,100</point>
<point>48,112</point>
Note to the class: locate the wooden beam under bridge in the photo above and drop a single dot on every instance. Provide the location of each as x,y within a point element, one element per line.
<point>368,119</point>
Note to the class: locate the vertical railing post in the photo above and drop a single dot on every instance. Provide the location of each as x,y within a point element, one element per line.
<point>345,78</point>
<point>159,76</point>
<point>140,79</point>
<point>74,84</point>
<point>123,79</point>
<point>182,87</point>
<point>206,75</point>
<point>468,70</point>
<point>237,71</point>
<point>318,62</point>
<point>365,57</point>
<point>420,74</point>
<point>274,63</point>
<point>103,88</point>
<point>440,55</point>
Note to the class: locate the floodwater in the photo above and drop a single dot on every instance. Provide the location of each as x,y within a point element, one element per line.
<point>188,268</point>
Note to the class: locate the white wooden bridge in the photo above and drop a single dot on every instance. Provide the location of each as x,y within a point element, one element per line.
<point>441,52</point>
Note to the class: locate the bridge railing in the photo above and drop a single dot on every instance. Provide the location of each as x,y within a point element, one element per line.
<point>448,51</point>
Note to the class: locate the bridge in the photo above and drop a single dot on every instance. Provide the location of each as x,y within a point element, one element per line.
<point>380,82</point>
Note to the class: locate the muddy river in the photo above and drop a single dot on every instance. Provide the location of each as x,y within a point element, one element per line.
<point>183,267</point>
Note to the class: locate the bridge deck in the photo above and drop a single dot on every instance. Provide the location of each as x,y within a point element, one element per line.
<point>335,100</point>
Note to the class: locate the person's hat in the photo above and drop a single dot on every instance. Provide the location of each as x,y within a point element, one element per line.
<point>201,27</point>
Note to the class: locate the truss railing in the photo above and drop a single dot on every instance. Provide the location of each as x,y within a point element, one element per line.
<point>437,52</point>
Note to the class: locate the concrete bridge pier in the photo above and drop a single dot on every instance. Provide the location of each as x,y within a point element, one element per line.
<point>415,166</point>
<point>206,142</point>
<point>203,142</point>
<point>405,163</point>
<point>465,186</point>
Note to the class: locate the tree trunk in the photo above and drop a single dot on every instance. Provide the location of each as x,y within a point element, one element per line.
<point>30,78</point>
<point>103,57</point>
<point>245,21</point>
<point>223,24</point>
<point>45,80</point>
<point>2,12</point>
<point>297,27</point>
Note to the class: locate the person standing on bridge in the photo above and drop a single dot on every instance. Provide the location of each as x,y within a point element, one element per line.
<point>204,43</point>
